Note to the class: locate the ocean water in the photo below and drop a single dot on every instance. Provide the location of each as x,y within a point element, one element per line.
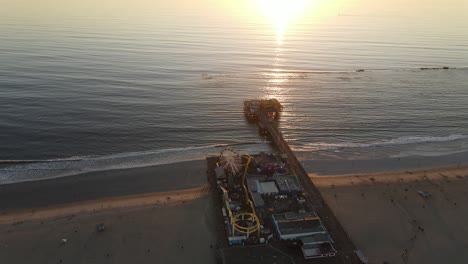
<point>95,86</point>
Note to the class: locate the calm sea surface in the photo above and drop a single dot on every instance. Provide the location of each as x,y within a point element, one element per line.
<point>130,87</point>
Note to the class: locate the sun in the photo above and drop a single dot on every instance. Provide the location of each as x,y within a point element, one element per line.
<point>282,12</point>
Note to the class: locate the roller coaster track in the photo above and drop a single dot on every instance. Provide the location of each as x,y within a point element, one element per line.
<point>252,217</point>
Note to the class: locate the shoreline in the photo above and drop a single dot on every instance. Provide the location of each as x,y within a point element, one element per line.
<point>141,200</point>
<point>149,214</point>
<point>103,184</point>
<point>443,173</point>
<point>385,165</point>
<point>316,166</point>
<point>383,213</point>
<point>187,175</point>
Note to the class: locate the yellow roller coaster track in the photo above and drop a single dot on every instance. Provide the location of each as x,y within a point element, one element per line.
<point>243,216</point>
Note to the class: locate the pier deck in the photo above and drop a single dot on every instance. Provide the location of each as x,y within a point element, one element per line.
<point>316,224</point>
<point>346,248</point>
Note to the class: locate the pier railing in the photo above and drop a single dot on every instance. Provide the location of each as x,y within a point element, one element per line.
<point>344,245</point>
<point>271,126</point>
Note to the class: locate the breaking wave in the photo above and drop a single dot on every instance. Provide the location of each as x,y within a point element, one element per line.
<point>14,171</point>
<point>397,141</point>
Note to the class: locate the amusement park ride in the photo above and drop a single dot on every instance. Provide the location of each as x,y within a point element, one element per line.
<point>262,203</point>
<point>269,207</point>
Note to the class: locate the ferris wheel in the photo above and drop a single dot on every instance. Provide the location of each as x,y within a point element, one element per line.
<point>231,160</point>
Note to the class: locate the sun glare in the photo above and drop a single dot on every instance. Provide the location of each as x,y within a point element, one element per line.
<point>282,12</point>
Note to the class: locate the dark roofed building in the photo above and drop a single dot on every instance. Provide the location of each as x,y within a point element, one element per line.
<point>257,200</point>
<point>287,184</point>
<point>317,246</point>
<point>296,225</point>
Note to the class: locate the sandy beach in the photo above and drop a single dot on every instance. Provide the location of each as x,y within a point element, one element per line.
<point>165,214</point>
<point>103,184</point>
<point>171,233</point>
<point>107,204</point>
<point>391,222</point>
<point>147,218</point>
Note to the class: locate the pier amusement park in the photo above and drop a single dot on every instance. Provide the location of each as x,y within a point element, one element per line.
<point>269,210</point>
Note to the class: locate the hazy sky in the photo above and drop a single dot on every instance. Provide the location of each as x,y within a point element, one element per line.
<point>448,9</point>
<point>435,16</point>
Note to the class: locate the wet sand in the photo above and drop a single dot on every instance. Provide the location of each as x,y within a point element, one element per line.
<point>164,214</point>
<point>152,215</point>
<point>391,222</point>
<point>103,184</point>
<point>340,167</point>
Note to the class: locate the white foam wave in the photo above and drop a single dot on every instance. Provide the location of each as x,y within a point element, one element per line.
<point>397,141</point>
<point>54,168</point>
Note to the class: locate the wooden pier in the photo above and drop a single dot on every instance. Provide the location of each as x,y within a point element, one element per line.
<point>266,113</point>
<point>346,248</point>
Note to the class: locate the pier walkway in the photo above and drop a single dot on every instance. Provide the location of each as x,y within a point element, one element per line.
<point>271,126</point>
<point>346,248</point>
